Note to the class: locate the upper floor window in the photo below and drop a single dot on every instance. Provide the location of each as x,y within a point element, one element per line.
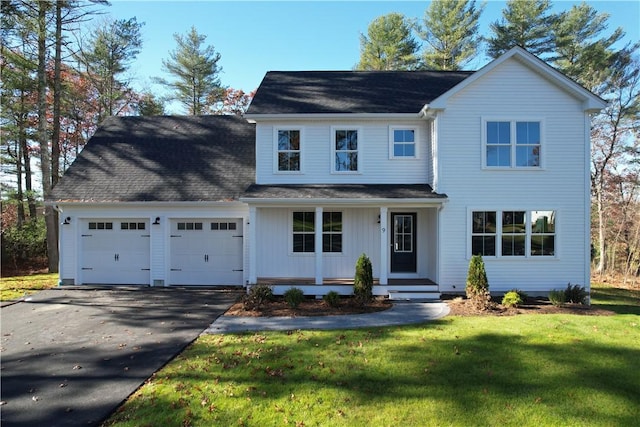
<point>513,144</point>
<point>403,142</point>
<point>289,150</point>
<point>345,150</point>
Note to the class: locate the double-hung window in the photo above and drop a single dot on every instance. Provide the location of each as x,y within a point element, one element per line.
<point>288,150</point>
<point>511,233</point>
<point>304,229</point>
<point>512,144</point>
<point>345,150</point>
<point>403,143</point>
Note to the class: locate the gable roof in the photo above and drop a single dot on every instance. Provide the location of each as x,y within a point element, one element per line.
<point>162,158</point>
<point>590,101</point>
<point>341,92</point>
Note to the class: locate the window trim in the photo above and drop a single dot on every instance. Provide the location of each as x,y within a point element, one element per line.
<point>392,142</point>
<point>276,129</point>
<point>332,233</point>
<point>528,233</point>
<point>513,120</point>
<point>292,232</point>
<point>347,127</point>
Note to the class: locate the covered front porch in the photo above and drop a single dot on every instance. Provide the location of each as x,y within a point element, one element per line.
<point>313,240</point>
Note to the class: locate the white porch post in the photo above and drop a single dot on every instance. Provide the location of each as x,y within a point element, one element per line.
<point>253,250</point>
<point>384,246</point>
<point>318,246</point>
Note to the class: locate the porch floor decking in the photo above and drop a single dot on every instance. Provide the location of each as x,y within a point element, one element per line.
<point>289,281</point>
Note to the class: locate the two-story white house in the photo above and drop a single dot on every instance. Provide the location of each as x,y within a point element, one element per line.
<point>418,170</point>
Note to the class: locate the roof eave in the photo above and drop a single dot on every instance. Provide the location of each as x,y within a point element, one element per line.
<point>434,201</point>
<point>360,116</point>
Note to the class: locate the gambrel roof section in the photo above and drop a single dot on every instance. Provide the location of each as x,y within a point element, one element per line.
<point>350,92</point>
<point>591,102</point>
<point>162,159</point>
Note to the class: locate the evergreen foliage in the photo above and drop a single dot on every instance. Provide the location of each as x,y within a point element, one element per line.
<point>363,280</point>
<point>524,23</point>
<point>477,288</point>
<point>293,297</point>
<point>195,70</point>
<point>451,33</point>
<point>388,45</point>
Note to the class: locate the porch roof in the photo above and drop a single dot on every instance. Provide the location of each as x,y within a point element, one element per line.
<point>342,193</point>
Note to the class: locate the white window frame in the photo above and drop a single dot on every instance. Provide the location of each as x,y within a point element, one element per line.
<point>358,130</point>
<point>292,232</point>
<point>276,151</point>
<point>332,233</point>
<point>392,142</point>
<point>528,213</point>
<point>512,143</point>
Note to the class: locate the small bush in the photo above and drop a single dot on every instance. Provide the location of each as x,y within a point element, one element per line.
<point>512,299</point>
<point>293,297</point>
<point>575,294</point>
<point>557,297</point>
<point>363,280</point>
<point>332,298</point>
<point>257,296</point>
<point>477,288</point>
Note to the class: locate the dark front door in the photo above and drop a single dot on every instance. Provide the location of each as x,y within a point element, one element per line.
<point>403,243</point>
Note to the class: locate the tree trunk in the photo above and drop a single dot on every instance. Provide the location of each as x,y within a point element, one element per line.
<point>600,268</point>
<point>45,158</point>
<point>57,89</point>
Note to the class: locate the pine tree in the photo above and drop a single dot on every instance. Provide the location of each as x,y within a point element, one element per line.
<point>388,45</point>
<point>451,33</point>
<point>195,70</point>
<point>524,23</point>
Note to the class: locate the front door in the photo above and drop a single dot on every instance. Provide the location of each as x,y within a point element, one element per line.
<point>403,243</point>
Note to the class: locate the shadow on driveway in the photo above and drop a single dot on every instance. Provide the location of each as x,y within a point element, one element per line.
<point>71,356</point>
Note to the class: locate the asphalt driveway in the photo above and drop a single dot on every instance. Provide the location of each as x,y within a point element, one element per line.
<point>69,357</point>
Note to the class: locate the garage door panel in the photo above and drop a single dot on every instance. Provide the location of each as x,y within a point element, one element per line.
<point>115,252</point>
<point>206,252</point>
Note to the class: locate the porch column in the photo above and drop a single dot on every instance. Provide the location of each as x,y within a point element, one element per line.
<point>318,246</point>
<point>384,246</point>
<point>253,249</point>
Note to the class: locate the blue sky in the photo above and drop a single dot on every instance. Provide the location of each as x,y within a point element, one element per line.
<point>256,37</point>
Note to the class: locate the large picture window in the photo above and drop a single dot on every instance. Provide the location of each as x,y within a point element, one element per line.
<point>288,150</point>
<point>513,233</point>
<point>345,150</point>
<point>513,144</point>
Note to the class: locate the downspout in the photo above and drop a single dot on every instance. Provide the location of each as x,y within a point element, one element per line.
<point>60,254</point>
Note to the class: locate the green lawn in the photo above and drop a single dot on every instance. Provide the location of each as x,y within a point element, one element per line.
<point>16,287</point>
<point>526,370</point>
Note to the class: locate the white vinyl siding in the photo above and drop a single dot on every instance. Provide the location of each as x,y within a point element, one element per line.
<point>559,186</point>
<point>374,164</point>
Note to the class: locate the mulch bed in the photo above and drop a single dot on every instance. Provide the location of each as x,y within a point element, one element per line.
<point>459,307</point>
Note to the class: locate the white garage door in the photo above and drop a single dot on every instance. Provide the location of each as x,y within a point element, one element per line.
<point>206,251</point>
<point>115,251</point>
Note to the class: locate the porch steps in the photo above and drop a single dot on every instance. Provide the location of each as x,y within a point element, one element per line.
<point>413,292</point>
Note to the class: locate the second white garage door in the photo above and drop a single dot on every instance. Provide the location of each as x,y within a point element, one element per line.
<point>206,251</point>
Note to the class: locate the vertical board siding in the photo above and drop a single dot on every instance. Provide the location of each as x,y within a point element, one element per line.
<point>513,91</point>
<point>374,162</point>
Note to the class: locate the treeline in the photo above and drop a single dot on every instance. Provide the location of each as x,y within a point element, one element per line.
<point>579,43</point>
<point>64,67</point>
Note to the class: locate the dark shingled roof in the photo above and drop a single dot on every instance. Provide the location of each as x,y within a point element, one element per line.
<point>309,92</point>
<point>346,191</point>
<point>163,158</point>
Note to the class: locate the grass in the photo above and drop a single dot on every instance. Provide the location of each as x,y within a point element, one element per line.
<point>523,370</point>
<point>12,288</point>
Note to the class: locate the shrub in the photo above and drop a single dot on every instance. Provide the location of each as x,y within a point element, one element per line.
<point>363,280</point>
<point>257,296</point>
<point>557,297</point>
<point>294,296</point>
<point>512,299</point>
<point>21,244</point>
<point>332,298</point>
<point>575,294</point>
<point>477,288</point>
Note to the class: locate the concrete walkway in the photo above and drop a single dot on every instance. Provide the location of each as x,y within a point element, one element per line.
<point>402,313</point>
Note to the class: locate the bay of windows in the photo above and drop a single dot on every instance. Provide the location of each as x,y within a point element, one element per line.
<point>513,233</point>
